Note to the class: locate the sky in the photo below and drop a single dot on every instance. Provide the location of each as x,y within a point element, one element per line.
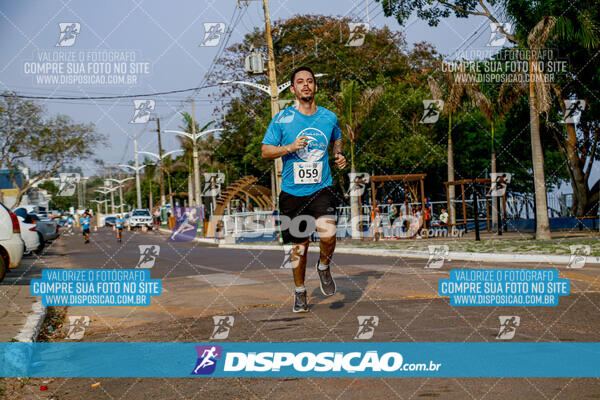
<point>163,40</point>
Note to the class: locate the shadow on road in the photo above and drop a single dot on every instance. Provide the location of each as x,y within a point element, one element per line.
<point>352,287</point>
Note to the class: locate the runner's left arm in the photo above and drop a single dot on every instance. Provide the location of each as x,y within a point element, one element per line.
<point>338,148</point>
<point>340,159</point>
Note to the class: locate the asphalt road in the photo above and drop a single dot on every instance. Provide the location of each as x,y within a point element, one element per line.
<point>202,280</point>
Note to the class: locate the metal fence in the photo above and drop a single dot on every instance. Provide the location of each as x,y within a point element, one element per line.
<point>518,207</point>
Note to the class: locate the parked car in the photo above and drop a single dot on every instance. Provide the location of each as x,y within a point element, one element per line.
<point>46,226</point>
<point>11,244</point>
<point>140,217</point>
<point>34,242</point>
<point>110,221</point>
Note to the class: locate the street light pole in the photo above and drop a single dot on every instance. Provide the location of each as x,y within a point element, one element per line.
<point>137,176</point>
<point>194,137</point>
<point>273,88</point>
<point>196,165</point>
<point>120,183</point>
<point>112,195</point>
<point>160,161</point>
<point>106,190</point>
<point>163,199</point>
<point>137,173</point>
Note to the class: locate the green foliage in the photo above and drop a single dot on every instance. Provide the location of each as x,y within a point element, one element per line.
<point>45,145</point>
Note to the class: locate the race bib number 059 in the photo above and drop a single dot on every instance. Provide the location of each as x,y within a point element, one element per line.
<point>307,172</point>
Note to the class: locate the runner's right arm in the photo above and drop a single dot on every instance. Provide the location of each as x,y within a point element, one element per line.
<point>271,152</point>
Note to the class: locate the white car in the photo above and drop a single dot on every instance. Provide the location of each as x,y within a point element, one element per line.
<point>11,244</point>
<point>140,217</point>
<point>34,242</point>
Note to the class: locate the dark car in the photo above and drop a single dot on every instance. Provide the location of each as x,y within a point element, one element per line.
<point>110,221</point>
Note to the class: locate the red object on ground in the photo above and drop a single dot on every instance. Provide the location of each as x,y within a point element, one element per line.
<point>43,387</point>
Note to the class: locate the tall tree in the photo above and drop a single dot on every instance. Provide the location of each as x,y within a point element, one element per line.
<point>501,99</point>
<point>353,107</point>
<point>455,94</point>
<point>44,146</point>
<point>531,34</point>
<point>316,41</point>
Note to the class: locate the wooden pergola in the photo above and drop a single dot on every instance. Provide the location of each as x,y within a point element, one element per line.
<point>413,184</point>
<point>245,186</point>
<point>462,182</point>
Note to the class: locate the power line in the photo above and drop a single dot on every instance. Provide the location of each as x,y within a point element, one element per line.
<point>107,97</point>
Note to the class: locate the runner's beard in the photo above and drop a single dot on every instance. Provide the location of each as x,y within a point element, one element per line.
<point>307,99</point>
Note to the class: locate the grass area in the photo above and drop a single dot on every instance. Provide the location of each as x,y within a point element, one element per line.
<point>522,246</point>
<point>509,243</point>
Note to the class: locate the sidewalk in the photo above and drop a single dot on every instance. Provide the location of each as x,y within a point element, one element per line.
<point>21,315</point>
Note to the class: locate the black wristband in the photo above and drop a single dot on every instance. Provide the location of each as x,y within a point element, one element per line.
<point>340,153</point>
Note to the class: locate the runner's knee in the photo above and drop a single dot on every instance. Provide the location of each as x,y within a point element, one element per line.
<point>326,228</point>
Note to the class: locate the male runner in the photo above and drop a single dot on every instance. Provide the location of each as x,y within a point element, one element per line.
<point>85,226</point>
<point>119,226</point>
<point>301,135</point>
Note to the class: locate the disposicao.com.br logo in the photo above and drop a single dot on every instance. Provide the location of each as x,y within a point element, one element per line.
<point>370,361</point>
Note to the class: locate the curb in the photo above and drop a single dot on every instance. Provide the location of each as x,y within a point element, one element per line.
<point>33,323</point>
<point>460,256</point>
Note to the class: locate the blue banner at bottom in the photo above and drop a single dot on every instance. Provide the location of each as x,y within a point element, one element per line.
<point>299,359</point>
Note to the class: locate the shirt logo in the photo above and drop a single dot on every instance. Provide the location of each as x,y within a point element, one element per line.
<point>207,359</point>
<point>316,146</point>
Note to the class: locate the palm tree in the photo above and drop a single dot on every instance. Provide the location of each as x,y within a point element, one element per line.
<point>540,100</point>
<point>353,108</point>
<point>508,95</point>
<point>455,83</point>
<point>188,148</point>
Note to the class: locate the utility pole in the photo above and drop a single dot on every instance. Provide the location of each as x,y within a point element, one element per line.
<point>138,188</point>
<point>273,87</point>
<point>112,195</point>
<point>121,198</point>
<point>84,190</point>
<point>161,179</point>
<point>196,165</point>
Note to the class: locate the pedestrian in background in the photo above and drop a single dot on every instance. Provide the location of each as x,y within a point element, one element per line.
<point>85,226</point>
<point>119,227</point>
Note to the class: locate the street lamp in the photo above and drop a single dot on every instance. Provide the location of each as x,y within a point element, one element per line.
<point>194,137</point>
<point>264,88</point>
<point>120,186</point>
<point>162,165</point>
<point>137,170</point>
<point>98,204</point>
<point>104,192</point>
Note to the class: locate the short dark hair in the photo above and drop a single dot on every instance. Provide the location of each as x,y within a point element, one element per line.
<point>293,76</point>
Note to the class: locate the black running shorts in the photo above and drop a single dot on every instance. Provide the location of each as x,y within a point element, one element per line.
<point>303,211</point>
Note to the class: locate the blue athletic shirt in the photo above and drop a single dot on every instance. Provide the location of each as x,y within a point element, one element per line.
<point>322,127</point>
<point>119,223</point>
<point>85,222</point>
